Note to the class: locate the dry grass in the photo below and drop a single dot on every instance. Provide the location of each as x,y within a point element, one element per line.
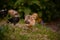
<point>21,32</point>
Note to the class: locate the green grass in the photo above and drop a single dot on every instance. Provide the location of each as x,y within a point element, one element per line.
<point>38,32</point>
<point>21,21</point>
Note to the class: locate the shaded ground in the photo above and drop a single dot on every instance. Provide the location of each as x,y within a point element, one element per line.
<point>54,25</point>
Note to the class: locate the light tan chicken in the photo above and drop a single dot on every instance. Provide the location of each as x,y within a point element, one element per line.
<point>37,18</point>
